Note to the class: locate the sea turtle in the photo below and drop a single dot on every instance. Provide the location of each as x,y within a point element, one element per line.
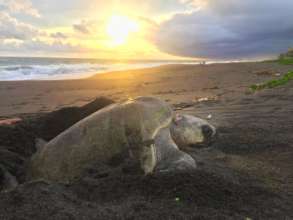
<point>136,130</point>
<point>191,131</point>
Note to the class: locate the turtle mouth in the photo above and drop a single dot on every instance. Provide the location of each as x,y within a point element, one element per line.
<point>208,141</point>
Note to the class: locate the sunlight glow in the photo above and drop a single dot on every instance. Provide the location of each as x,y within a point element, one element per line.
<point>119,28</point>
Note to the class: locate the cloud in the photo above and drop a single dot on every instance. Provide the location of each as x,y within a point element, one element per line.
<point>40,47</point>
<point>229,29</point>
<point>59,35</point>
<point>19,6</point>
<point>50,47</point>
<point>84,27</point>
<point>11,28</point>
<point>6,45</point>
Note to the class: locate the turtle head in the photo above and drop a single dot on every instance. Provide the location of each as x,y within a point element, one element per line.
<point>190,131</point>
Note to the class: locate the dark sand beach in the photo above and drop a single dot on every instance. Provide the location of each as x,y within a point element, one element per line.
<point>174,83</point>
<point>246,174</point>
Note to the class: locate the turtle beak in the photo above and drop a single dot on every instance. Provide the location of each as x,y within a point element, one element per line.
<point>209,133</point>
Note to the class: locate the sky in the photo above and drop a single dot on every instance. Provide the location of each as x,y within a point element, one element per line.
<point>146,29</point>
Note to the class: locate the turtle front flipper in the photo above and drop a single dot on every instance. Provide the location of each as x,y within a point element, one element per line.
<point>169,157</point>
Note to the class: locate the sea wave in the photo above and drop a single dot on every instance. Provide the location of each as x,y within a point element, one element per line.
<point>49,72</point>
<point>61,71</point>
<point>21,68</point>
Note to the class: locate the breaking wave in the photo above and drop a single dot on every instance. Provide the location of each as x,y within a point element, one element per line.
<point>56,69</point>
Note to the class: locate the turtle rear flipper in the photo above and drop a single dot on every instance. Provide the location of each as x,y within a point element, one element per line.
<point>39,144</point>
<point>7,180</point>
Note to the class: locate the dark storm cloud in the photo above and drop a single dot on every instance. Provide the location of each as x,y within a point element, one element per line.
<point>230,29</point>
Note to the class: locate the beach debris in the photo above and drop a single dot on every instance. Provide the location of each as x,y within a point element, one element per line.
<point>211,88</point>
<point>183,105</point>
<point>10,121</point>
<point>209,116</point>
<point>208,98</point>
<point>203,99</point>
<point>177,199</point>
<point>164,92</point>
<point>264,73</point>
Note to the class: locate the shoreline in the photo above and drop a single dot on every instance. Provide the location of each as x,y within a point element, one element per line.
<point>84,75</point>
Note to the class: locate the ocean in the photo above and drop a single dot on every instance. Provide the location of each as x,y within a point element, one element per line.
<point>20,68</point>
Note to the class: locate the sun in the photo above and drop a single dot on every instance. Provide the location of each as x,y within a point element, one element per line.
<point>119,28</point>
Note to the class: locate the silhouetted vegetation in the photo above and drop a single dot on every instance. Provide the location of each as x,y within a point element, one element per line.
<point>286,60</point>
<point>273,83</point>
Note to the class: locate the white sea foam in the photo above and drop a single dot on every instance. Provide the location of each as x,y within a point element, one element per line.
<point>49,72</point>
<point>57,69</point>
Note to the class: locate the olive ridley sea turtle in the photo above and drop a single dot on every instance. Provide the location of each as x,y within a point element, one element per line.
<point>144,130</point>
